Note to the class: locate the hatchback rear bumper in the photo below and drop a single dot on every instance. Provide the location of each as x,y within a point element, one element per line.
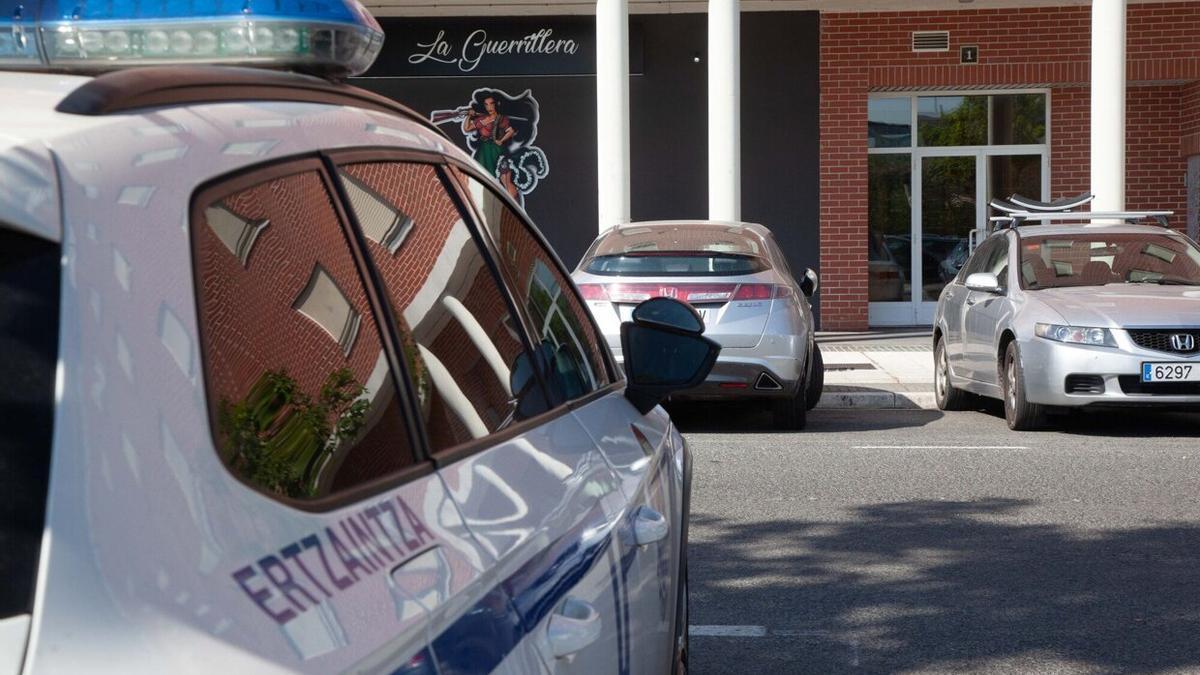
<point>745,374</point>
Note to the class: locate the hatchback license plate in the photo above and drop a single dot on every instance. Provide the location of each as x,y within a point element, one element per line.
<point>1170,372</point>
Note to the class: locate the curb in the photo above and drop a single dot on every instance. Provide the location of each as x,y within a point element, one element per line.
<point>878,400</point>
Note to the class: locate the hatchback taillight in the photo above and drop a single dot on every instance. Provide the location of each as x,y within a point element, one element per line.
<point>695,294</point>
<point>593,292</point>
<point>755,292</point>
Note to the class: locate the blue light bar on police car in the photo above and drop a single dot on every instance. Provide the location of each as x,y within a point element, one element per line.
<point>327,36</point>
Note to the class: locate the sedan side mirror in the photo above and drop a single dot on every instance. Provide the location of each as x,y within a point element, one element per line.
<point>665,351</point>
<point>809,282</point>
<point>984,282</point>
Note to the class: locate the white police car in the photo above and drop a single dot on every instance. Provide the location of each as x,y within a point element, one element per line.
<point>289,385</point>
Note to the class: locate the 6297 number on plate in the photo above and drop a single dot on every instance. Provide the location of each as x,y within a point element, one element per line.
<point>1170,372</point>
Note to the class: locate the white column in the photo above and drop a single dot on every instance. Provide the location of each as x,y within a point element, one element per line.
<point>1108,105</point>
<point>612,110</point>
<point>724,111</point>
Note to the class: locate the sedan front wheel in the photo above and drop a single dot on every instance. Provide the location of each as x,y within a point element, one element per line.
<point>948,396</point>
<point>1020,414</point>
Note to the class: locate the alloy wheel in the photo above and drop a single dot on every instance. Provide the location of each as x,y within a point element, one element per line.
<point>942,374</point>
<point>1010,377</point>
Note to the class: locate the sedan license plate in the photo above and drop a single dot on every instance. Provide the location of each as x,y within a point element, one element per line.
<point>1170,372</point>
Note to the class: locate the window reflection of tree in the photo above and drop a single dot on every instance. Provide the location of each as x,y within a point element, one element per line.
<point>279,437</point>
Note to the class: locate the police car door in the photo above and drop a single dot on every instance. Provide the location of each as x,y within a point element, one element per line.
<point>580,373</point>
<point>235,484</point>
<point>538,500</point>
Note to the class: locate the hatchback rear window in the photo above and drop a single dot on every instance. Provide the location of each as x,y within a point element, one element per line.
<point>29,286</point>
<point>675,264</point>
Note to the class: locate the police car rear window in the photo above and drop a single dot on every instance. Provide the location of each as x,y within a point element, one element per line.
<point>675,264</point>
<point>29,298</point>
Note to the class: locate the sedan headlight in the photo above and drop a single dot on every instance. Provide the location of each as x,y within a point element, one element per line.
<point>1097,337</point>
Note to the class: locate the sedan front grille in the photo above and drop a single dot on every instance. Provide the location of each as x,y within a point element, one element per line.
<point>1160,340</point>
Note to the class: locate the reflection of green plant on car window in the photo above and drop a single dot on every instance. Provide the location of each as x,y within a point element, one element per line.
<point>279,438</point>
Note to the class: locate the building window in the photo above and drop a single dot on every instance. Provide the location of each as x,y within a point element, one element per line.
<point>889,122</point>
<point>934,161</point>
<point>323,302</point>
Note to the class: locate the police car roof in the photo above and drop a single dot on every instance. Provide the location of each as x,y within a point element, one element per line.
<point>30,100</point>
<point>42,108</point>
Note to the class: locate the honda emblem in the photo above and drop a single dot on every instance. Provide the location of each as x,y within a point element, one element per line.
<point>672,292</point>
<point>1183,342</point>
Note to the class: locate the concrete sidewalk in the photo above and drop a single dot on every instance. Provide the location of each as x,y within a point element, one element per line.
<point>879,369</point>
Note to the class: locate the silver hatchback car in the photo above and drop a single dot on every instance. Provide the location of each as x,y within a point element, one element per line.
<point>1071,313</point>
<point>736,277</point>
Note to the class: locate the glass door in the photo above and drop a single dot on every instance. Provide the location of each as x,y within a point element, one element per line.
<point>929,189</point>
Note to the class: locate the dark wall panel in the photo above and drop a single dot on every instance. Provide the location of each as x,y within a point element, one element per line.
<point>780,130</point>
<point>668,132</point>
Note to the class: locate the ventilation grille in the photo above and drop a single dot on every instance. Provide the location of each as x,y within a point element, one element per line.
<point>1085,384</point>
<point>1160,340</point>
<point>931,41</point>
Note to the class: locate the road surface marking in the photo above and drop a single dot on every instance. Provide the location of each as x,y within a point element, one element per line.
<point>728,631</point>
<point>941,447</point>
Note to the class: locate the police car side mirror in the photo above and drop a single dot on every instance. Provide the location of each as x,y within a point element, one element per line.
<point>809,282</point>
<point>665,351</point>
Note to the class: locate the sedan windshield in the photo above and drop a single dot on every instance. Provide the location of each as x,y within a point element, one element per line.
<point>1099,259</point>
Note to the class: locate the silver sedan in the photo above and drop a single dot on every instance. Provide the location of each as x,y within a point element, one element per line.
<point>1047,316</point>
<point>736,278</point>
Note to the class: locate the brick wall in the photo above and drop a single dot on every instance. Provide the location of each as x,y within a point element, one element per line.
<point>1044,47</point>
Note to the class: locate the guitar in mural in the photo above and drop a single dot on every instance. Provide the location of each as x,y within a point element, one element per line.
<point>500,131</point>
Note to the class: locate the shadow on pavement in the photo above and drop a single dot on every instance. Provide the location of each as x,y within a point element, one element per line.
<point>945,587</point>
<point>752,418</point>
<point>1113,422</point>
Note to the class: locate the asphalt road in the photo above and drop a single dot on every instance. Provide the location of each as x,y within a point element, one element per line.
<point>917,541</point>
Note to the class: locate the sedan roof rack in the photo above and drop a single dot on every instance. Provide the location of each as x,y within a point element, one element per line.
<point>1018,210</point>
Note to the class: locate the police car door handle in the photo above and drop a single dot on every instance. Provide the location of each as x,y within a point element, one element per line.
<point>574,626</point>
<point>649,526</point>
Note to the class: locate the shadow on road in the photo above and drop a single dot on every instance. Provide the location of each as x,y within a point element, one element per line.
<point>1113,422</point>
<point>945,587</point>
<point>755,418</point>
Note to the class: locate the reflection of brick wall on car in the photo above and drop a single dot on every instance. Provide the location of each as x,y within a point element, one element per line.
<point>416,190</point>
<point>250,325</point>
<point>521,250</point>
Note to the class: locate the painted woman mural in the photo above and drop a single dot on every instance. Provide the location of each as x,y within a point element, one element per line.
<point>500,131</point>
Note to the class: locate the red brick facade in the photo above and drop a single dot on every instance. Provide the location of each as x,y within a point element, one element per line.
<point>1044,47</point>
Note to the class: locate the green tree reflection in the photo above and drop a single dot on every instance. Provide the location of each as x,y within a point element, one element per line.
<point>278,437</point>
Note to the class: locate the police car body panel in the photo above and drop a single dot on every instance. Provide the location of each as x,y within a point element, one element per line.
<point>528,554</point>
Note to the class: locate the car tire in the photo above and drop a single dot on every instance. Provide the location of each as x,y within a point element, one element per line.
<point>949,397</point>
<point>791,414</point>
<point>681,652</point>
<point>816,379</point>
<point>1020,414</point>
